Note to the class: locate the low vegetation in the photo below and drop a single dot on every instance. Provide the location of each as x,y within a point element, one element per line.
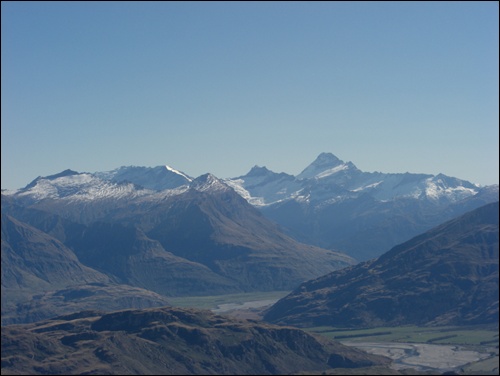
<point>483,339</point>
<point>215,301</point>
<point>455,335</point>
<point>169,340</point>
<point>480,338</point>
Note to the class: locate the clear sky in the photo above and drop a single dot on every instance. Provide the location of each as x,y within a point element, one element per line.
<point>222,86</point>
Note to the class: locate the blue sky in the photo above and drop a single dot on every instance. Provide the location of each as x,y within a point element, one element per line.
<point>220,87</point>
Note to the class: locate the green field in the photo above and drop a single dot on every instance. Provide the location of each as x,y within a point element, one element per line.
<point>483,367</point>
<point>483,339</point>
<point>473,336</point>
<point>212,302</point>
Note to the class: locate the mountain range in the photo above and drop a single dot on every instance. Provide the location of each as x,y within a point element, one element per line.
<point>334,205</point>
<point>158,232</point>
<point>89,261</point>
<point>445,276</point>
<point>197,239</point>
<point>331,204</point>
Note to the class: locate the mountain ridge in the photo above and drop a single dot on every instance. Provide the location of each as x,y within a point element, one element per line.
<point>42,277</point>
<point>331,204</point>
<point>169,341</point>
<point>334,205</point>
<point>197,239</point>
<point>445,276</point>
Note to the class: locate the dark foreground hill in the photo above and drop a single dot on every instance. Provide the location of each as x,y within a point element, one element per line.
<point>169,341</point>
<point>446,276</point>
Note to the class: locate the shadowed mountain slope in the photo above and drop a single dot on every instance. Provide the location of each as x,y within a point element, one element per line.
<point>222,231</point>
<point>446,276</point>
<point>32,259</point>
<point>41,278</point>
<point>169,341</point>
<point>201,240</point>
<point>227,245</point>
<point>125,254</point>
<point>128,255</point>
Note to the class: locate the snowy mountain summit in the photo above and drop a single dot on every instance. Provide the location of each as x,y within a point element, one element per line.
<point>208,182</point>
<point>329,179</point>
<point>325,165</point>
<point>331,203</point>
<point>155,178</point>
<point>126,182</point>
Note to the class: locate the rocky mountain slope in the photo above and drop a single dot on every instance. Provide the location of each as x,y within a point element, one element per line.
<point>446,276</point>
<point>205,223</point>
<point>169,341</point>
<point>216,227</point>
<point>32,259</point>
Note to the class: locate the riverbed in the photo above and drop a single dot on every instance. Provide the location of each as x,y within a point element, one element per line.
<point>420,356</point>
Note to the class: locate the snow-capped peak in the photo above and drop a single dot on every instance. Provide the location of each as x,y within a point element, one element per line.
<point>325,164</point>
<point>61,174</point>
<point>208,182</point>
<point>69,185</point>
<point>156,178</point>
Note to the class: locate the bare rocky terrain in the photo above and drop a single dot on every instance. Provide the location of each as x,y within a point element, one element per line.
<point>169,341</point>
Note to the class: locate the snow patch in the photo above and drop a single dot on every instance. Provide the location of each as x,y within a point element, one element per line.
<point>367,187</point>
<point>332,171</point>
<point>178,173</point>
<point>436,189</point>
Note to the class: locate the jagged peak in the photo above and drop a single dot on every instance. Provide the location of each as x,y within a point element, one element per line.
<point>259,171</point>
<point>207,182</point>
<point>262,172</point>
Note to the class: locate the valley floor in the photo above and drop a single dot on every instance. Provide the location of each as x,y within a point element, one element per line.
<point>423,357</point>
<point>463,350</point>
<point>244,305</point>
